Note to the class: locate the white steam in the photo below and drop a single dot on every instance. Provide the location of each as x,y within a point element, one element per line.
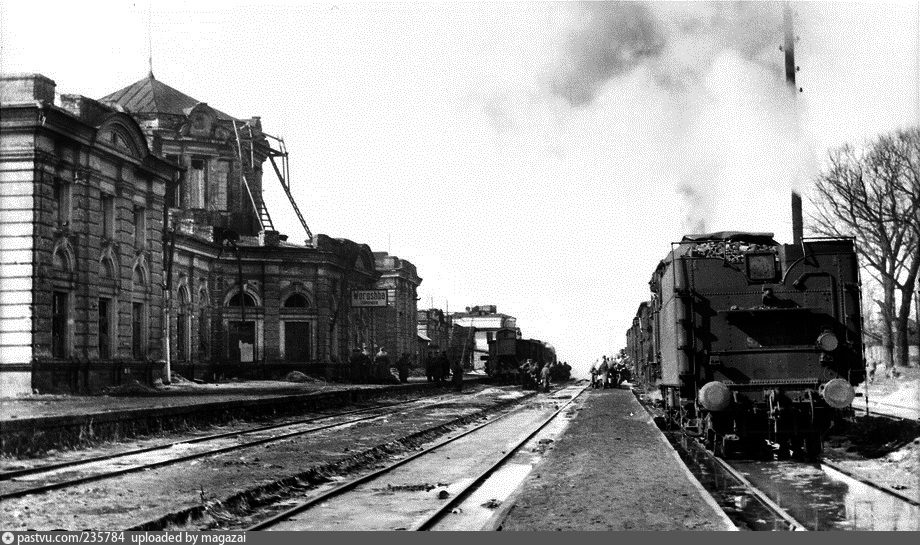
<point>730,144</point>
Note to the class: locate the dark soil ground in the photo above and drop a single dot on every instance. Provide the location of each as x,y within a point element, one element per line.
<point>612,470</point>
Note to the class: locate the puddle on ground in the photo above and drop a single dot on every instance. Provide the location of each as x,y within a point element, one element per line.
<point>478,510</point>
<point>823,499</point>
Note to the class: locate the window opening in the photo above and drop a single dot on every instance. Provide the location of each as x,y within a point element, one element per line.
<point>105,326</point>
<point>137,331</point>
<point>108,217</point>
<point>59,313</point>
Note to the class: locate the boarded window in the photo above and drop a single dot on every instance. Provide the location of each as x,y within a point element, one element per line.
<point>62,201</point>
<point>59,313</point>
<point>196,181</point>
<point>242,341</point>
<point>105,329</point>
<point>218,185</point>
<point>297,341</point>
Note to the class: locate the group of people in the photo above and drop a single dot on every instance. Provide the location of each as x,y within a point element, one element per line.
<point>364,370</point>
<point>438,367</point>
<point>535,375</point>
<point>606,373</point>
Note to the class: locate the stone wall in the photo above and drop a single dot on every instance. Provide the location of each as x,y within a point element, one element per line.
<point>58,165</point>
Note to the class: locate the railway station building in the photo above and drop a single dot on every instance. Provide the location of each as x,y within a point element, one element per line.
<point>142,212</point>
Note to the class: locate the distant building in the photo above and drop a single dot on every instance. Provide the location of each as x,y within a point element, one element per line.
<point>435,327</point>
<point>485,321</point>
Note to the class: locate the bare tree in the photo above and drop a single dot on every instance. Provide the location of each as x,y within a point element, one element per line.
<point>873,194</point>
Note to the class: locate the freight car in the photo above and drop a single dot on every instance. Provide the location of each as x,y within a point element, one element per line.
<point>507,352</point>
<point>758,344</point>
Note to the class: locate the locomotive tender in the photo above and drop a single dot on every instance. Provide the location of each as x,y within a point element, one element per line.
<point>752,341</point>
<point>507,352</point>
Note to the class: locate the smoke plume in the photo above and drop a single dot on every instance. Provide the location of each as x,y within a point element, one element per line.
<point>730,136</point>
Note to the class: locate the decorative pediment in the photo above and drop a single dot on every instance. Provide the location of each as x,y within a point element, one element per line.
<point>121,132</point>
<point>201,121</point>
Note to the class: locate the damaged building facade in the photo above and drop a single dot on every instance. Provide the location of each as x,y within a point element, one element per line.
<point>438,332</point>
<point>237,297</point>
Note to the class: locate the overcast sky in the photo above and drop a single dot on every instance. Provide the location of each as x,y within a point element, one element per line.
<point>536,156</point>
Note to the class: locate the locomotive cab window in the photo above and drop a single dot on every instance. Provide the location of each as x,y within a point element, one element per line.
<point>760,267</point>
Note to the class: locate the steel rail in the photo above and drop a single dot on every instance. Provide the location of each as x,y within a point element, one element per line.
<point>758,494</point>
<point>428,523</point>
<point>144,467</point>
<point>345,487</point>
<point>11,474</point>
<point>872,484</point>
<point>763,498</point>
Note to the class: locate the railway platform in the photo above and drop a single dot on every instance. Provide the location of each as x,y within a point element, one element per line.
<point>612,470</point>
<point>33,424</point>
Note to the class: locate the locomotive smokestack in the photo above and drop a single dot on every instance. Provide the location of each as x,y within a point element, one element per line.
<point>789,50</point>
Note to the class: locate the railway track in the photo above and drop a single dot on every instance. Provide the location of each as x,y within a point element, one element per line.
<point>422,507</point>
<point>887,410</point>
<point>796,496</point>
<point>55,476</point>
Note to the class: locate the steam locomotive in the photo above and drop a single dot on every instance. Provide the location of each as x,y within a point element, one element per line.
<point>753,344</point>
<point>507,352</point>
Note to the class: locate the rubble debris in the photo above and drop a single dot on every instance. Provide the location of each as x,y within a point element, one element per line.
<point>297,376</point>
<point>131,388</point>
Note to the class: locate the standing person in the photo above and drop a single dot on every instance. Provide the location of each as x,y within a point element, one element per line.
<point>544,377</point>
<point>594,367</point>
<point>457,375</point>
<point>354,365</point>
<point>429,366</point>
<point>365,365</point>
<point>402,366</point>
<point>437,372</point>
<point>445,366</point>
<point>524,370</point>
<point>603,372</point>
<point>381,365</point>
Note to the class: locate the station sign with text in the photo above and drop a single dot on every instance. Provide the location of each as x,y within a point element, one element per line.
<point>369,298</point>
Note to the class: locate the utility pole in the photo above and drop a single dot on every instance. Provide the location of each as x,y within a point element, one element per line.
<point>788,49</point>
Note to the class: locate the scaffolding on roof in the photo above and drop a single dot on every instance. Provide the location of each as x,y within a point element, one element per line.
<point>283,173</point>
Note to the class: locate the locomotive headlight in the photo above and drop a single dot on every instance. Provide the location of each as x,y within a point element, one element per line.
<point>714,396</point>
<point>838,393</point>
<point>827,341</point>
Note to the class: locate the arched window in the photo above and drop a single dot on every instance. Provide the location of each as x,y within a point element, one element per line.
<point>296,301</point>
<point>139,314</point>
<point>182,325</point>
<point>241,299</point>
<point>204,325</point>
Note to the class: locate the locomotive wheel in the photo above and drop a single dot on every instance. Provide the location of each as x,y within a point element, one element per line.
<point>785,449</point>
<point>812,447</point>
